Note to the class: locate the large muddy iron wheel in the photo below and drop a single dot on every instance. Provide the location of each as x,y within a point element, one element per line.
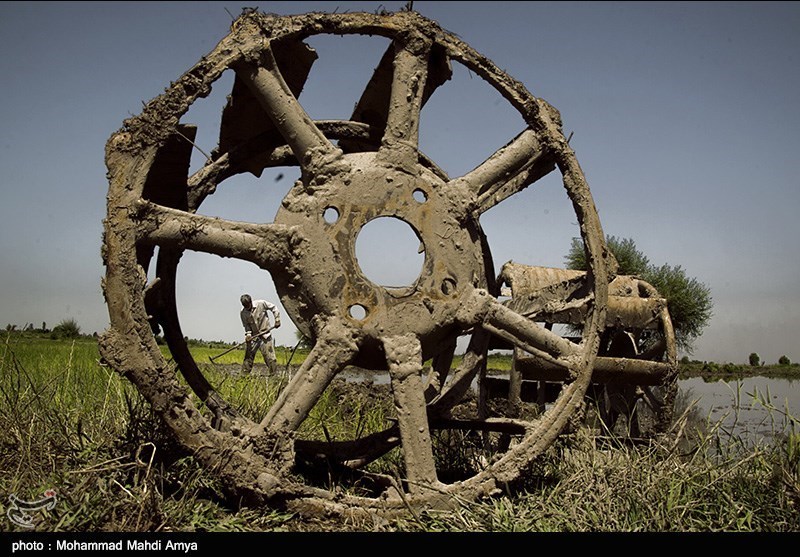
<point>352,171</point>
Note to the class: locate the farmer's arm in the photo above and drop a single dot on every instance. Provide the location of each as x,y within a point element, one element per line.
<point>276,314</point>
<point>245,323</point>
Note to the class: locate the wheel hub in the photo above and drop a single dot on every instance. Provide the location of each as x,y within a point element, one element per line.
<point>326,277</point>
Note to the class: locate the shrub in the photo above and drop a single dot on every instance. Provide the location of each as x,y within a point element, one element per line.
<point>68,328</point>
<point>711,367</point>
<point>730,368</point>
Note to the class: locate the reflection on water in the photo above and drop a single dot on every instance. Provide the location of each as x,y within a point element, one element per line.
<point>358,375</point>
<point>753,407</point>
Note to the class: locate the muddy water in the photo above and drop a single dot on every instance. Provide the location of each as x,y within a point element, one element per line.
<point>755,408</point>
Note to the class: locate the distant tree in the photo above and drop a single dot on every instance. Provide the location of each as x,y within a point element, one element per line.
<point>784,361</point>
<point>630,260</point>
<point>67,328</point>
<point>688,300</point>
<point>754,359</point>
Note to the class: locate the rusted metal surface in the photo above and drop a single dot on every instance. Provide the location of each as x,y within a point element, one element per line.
<point>352,172</point>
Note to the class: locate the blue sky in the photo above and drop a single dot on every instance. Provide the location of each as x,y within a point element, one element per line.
<point>684,118</point>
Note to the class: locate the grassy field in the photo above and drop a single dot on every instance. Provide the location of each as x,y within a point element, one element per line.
<point>72,425</point>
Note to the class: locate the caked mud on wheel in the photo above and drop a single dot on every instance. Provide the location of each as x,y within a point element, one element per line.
<point>352,172</point>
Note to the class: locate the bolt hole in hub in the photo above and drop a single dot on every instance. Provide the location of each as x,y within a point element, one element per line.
<point>331,215</point>
<point>358,312</point>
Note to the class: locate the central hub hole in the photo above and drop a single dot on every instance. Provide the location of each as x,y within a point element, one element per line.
<point>389,252</point>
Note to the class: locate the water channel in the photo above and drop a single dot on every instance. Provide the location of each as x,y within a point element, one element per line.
<point>751,407</point>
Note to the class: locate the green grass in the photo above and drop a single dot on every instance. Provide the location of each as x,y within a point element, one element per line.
<point>71,424</point>
<point>203,355</point>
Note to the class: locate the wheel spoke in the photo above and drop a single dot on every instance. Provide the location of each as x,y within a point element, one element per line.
<point>335,348</point>
<point>268,150</point>
<point>373,106</point>
<point>243,117</point>
<point>352,454</point>
<point>401,138</point>
<point>440,364</point>
<point>253,156</point>
<point>471,363</point>
<point>527,335</point>
<point>311,148</point>
<point>172,228</point>
<point>404,356</point>
<point>509,170</point>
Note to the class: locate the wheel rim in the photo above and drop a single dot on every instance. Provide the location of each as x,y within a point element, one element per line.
<point>303,249</point>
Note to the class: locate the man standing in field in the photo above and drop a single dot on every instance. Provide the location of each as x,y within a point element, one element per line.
<point>257,332</point>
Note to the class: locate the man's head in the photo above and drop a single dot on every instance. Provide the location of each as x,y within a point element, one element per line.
<point>246,300</point>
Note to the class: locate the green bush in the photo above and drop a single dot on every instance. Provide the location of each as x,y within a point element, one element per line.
<point>68,328</point>
<point>711,367</point>
<point>730,368</point>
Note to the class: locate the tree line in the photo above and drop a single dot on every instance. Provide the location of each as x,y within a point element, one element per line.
<point>65,329</point>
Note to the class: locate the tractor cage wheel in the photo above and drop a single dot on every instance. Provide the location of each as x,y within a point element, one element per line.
<point>152,202</point>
